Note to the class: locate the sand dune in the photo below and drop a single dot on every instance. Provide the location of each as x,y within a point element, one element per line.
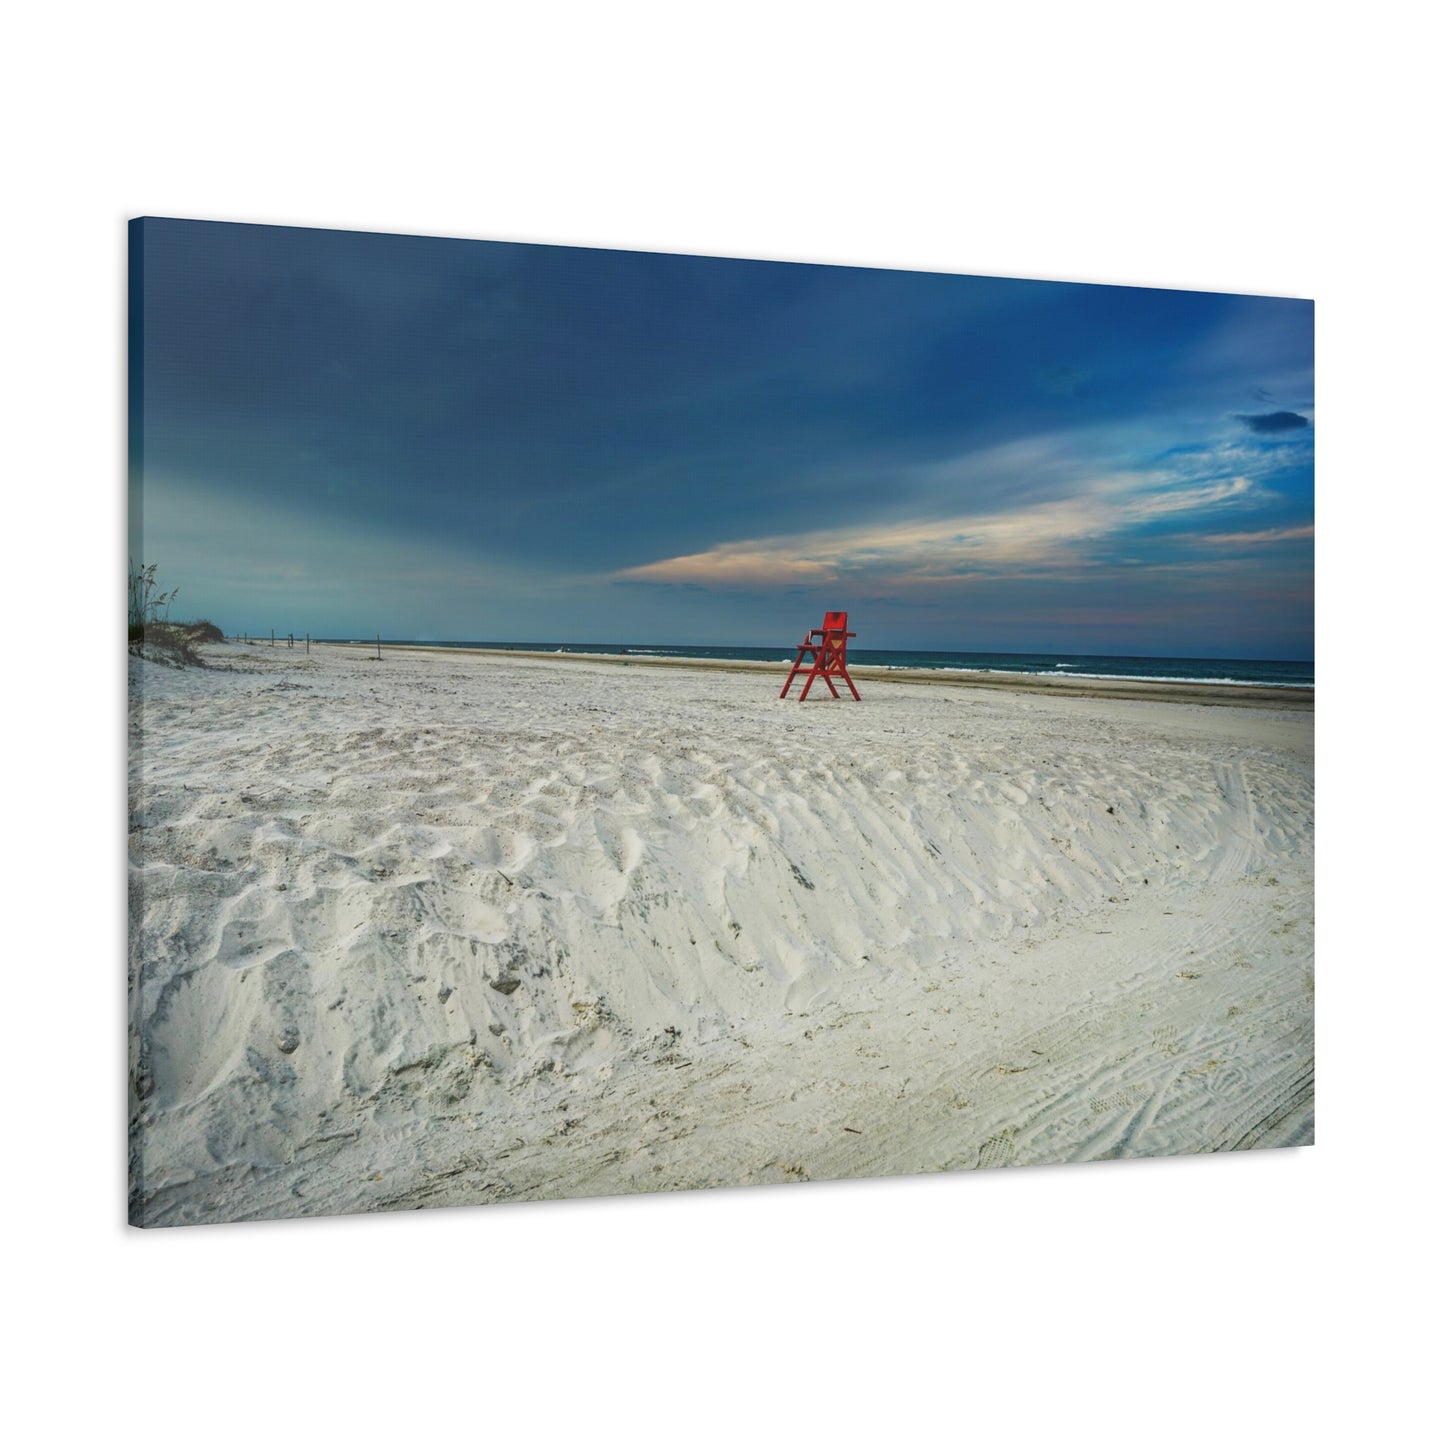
<point>443,929</point>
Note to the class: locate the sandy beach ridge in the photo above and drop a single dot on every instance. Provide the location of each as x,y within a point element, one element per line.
<point>453,928</point>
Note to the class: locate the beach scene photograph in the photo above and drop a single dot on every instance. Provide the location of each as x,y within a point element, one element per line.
<point>604,722</point>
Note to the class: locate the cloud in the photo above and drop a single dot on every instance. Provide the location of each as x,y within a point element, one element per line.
<point>743,564</point>
<point>1259,539</point>
<point>1188,499</point>
<point>1270,423</point>
<point>1040,539</point>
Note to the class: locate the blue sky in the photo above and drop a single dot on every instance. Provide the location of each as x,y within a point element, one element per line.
<point>350,433</point>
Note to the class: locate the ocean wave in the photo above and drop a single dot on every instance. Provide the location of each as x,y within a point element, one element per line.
<point>1038,666</point>
<point>1092,676</point>
<point>1197,681</point>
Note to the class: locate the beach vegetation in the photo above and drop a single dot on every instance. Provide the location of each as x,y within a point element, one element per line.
<point>149,629</point>
<point>145,602</point>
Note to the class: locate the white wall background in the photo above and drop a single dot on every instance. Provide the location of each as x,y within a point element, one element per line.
<point>1245,147</point>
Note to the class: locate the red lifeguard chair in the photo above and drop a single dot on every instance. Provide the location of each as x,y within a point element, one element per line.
<point>827,646</point>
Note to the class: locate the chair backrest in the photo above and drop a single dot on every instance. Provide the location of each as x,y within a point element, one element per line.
<point>834,634</point>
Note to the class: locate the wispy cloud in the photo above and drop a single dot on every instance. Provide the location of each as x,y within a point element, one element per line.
<point>1259,539</point>
<point>1043,538</point>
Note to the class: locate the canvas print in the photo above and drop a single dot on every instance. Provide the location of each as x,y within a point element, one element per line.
<point>606,722</point>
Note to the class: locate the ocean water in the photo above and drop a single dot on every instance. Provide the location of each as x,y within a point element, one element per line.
<point>1252,672</point>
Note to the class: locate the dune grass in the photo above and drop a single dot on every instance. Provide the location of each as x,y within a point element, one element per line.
<point>149,629</point>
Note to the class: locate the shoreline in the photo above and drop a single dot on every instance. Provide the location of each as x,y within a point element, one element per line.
<point>1296,699</point>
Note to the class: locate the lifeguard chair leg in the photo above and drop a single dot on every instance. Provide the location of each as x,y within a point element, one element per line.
<point>803,649</point>
<point>816,673</point>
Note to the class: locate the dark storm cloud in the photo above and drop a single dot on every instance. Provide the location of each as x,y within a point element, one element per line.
<point>1272,422</point>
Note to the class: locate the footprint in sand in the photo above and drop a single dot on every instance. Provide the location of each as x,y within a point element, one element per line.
<point>1121,1099</point>
<point>244,943</point>
<point>997,1151</point>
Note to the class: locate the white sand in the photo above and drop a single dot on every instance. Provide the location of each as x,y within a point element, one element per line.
<point>740,940</point>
